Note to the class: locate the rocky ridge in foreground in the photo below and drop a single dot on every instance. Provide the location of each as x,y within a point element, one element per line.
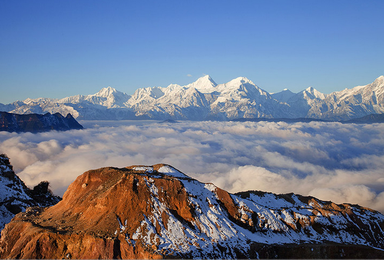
<point>159,212</point>
<point>16,197</point>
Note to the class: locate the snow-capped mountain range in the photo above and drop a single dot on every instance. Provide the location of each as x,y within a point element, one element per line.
<point>206,100</point>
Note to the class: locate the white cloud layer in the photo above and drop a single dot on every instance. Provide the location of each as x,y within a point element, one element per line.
<point>331,161</point>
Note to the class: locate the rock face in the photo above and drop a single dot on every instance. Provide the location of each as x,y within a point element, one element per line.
<point>15,196</point>
<point>157,211</point>
<point>36,122</point>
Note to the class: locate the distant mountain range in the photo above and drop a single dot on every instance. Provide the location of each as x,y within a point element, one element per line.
<point>206,100</point>
<point>369,119</point>
<point>37,123</point>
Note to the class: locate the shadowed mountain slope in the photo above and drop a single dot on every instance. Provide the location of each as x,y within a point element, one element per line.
<point>15,196</point>
<point>36,122</point>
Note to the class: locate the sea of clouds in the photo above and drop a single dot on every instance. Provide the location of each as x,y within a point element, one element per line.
<point>331,161</point>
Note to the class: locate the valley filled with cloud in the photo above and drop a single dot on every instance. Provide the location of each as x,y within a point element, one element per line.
<point>331,161</point>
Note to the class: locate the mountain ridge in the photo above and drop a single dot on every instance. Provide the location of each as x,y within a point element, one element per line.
<point>15,196</point>
<point>204,99</point>
<point>37,123</point>
<point>159,212</point>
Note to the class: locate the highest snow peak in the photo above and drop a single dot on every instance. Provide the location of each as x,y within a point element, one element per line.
<point>206,100</point>
<point>106,92</point>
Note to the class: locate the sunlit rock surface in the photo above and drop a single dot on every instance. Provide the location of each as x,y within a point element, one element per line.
<point>157,211</point>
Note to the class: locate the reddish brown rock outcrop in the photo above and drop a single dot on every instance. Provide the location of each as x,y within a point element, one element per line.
<point>84,224</point>
<point>157,211</point>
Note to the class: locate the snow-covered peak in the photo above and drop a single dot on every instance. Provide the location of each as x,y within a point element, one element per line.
<point>240,81</point>
<point>172,87</point>
<point>379,82</point>
<point>37,100</point>
<point>309,89</point>
<point>170,171</point>
<point>376,88</point>
<point>206,80</point>
<point>204,84</point>
<point>287,91</point>
<point>106,92</point>
<point>160,168</point>
<point>235,84</point>
<point>313,93</point>
<point>242,84</point>
<point>380,79</point>
<point>109,97</point>
<point>149,93</point>
<point>28,100</point>
<point>283,96</point>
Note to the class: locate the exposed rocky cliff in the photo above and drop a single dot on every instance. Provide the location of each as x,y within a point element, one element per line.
<point>15,196</point>
<point>36,122</point>
<point>157,212</point>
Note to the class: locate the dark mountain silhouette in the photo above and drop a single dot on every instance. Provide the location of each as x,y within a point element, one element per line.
<point>36,122</point>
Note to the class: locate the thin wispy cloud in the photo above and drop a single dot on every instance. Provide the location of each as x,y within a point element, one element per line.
<point>331,161</point>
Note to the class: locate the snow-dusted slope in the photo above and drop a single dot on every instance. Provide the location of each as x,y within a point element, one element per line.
<point>158,211</point>
<point>357,102</point>
<point>235,220</point>
<point>14,195</point>
<point>204,99</point>
<point>341,105</point>
<point>283,96</point>
<point>241,98</point>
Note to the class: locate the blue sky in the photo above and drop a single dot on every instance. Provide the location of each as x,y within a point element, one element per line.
<point>63,48</point>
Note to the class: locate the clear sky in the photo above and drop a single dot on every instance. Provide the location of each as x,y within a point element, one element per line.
<point>64,47</point>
